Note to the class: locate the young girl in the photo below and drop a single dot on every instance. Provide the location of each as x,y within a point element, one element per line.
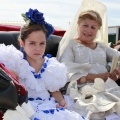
<point>43,76</point>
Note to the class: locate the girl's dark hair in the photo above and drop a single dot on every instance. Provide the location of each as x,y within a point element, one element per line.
<point>29,28</point>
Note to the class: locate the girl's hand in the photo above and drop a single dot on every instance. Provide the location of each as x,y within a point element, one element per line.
<point>59,98</point>
<point>62,104</point>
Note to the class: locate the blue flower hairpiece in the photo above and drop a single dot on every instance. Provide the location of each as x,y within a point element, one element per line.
<point>34,16</point>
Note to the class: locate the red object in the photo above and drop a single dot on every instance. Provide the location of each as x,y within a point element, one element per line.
<point>22,90</point>
<point>9,28</point>
<point>17,84</point>
<point>17,28</point>
<point>59,32</point>
<point>1,115</point>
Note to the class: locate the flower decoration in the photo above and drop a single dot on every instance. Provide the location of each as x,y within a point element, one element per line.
<point>34,16</point>
<point>49,28</point>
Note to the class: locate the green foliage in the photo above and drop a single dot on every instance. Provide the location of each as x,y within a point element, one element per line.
<point>25,18</point>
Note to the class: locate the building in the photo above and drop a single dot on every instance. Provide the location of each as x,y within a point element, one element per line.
<point>113,34</point>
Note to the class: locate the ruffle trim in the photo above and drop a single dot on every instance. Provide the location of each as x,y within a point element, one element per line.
<point>57,114</point>
<point>56,75</point>
<point>23,112</point>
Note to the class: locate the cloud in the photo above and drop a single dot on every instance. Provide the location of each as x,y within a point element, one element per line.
<point>114,21</point>
<point>57,12</point>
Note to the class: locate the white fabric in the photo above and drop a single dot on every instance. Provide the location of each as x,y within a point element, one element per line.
<point>113,117</point>
<point>23,112</point>
<point>52,79</point>
<point>72,33</point>
<point>101,102</point>
<point>114,64</point>
<point>81,60</point>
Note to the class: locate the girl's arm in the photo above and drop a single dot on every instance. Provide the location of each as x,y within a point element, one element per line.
<point>59,98</point>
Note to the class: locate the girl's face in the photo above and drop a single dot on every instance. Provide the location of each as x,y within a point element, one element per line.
<point>35,44</point>
<point>87,30</point>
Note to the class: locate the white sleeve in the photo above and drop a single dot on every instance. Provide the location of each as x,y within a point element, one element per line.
<point>55,75</point>
<point>110,52</point>
<point>9,56</point>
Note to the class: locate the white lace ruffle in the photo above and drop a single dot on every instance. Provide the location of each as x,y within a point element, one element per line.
<point>61,115</point>
<point>55,75</point>
<point>48,111</point>
<point>26,74</point>
<point>21,113</point>
<point>7,55</point>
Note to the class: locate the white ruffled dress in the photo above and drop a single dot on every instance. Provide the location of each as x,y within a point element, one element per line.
<point>52,78</point>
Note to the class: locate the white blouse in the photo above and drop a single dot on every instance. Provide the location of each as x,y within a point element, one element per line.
<point>81,60</point>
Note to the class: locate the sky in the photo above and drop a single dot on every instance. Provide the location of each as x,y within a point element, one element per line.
<point>57,12</point>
